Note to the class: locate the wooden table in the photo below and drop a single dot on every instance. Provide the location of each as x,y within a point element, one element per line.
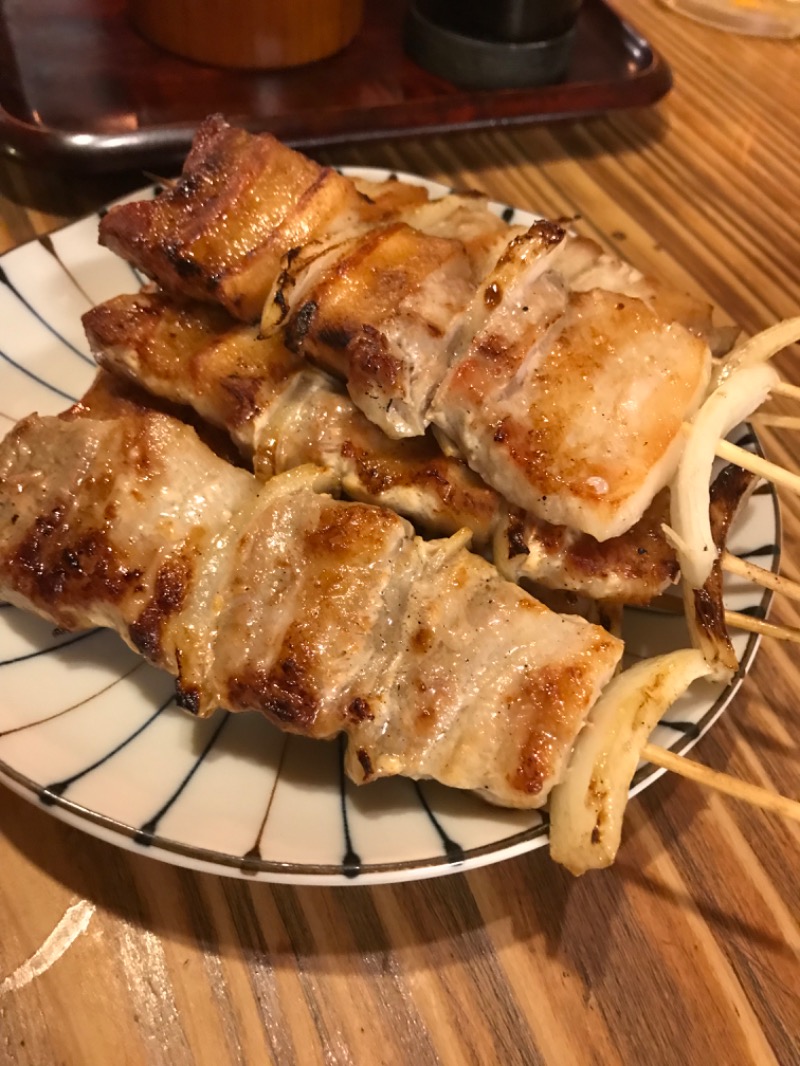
<point>687,950</point>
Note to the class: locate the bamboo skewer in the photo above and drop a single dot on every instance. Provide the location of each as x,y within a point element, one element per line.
<point>734,619</point>
<point>731,786</point>
<point>783,388</point>
<point>759,576</point>
<point>732,453</point>
<point>758,625</point>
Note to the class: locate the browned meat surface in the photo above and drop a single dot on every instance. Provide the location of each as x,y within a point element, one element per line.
<point>219,233</point>
<point>564,390</point>
<point>281,412</point>
<point>325,616</point>
<point>195,355</point>
<point>385,201</point>
<point>297,416</point>
<point>570,403</point>
<point>465,217</point>
<point>560,342</point>
<point>632,568</point>
<point>379,310</point>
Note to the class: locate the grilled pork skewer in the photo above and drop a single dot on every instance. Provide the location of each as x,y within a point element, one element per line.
<point>243,202</point>
<point>323,615</point>
<point>114,543</point>
<point>513,448</point>
<point>567,397</point>
<point>391,307</point>
<point>282,413</point>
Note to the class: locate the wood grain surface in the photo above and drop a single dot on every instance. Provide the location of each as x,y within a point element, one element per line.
<point>687,950</point>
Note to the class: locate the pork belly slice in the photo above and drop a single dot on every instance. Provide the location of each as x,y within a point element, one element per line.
<point>672,305</point>
<point>632,568</point>
<point>295,416</point>
<point>378,310</point>
<point>465,216</point>
<point>281,412</point>
<point>322,615</point>
<point>219,233</point>
<point>485,696</point>
<point>196,355</point>
<point>111,523</point>
<point>570,403</point>
<point>387,201</point>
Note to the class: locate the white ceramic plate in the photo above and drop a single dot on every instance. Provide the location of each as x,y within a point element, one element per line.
<point>93,733</point>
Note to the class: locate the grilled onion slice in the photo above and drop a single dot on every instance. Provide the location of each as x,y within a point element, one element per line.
<point>586,808</point>
<point>729,404</point>
<point>760,348</point>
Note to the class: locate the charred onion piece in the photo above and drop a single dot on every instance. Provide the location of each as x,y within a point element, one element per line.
<point>705,608</point>
<point>586,809</point>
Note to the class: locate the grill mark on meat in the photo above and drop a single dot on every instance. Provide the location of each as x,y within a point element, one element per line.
<point>379,475</point>
<point>219,233</point>
<point>279,299</point>
<point>545,233</point>
<point>359,710</point>
<point>185,267</point>
<point>188,697</point>
<point>653,565</point>
<point>244,393</point>
<point>337,337</point>
<point>541,698</point>
<point>492,347</point>
<point>299,325</point>
<point>492,295</point>
<point>171,585</point>
<point>341,527</point>
<point>371,364</point>
<point>366,763</point>
<point>515,535</point>
<point>51,569</point>
<point>303,663</point>
<point>423,640</point>
<point>283,693</point>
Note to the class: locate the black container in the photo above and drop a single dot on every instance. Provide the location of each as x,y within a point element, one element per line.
<point>498,44</point>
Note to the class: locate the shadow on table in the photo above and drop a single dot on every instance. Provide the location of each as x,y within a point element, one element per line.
<point>588,925</point>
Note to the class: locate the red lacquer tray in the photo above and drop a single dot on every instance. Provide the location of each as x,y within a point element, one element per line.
<point>80,89</point>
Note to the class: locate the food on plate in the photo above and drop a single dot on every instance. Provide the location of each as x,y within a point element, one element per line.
<point>570,400</point>
<point>587,805</point>
<point>704,606</point>
<point>561,386</point>
<point>421,332</point>
<point>283,412</point>
<point>742,383</point>
<point>220,235</point>
<point>566,397</point>
<point>325,616</point>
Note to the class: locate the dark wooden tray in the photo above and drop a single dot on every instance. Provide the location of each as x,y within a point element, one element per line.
<point>80,89</point>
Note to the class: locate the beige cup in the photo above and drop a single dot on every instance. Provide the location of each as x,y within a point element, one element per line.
<point>261,34</point>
